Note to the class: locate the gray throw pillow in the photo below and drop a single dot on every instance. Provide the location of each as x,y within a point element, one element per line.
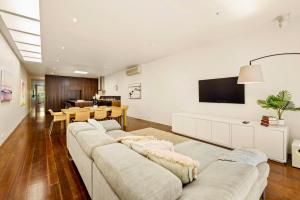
<point>110,125</point>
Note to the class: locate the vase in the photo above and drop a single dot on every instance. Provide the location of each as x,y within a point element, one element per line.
<point>281,122</point>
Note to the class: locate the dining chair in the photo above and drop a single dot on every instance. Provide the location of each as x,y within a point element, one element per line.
<point>57,117</point>
<point>116,113</point>
<point>74,108</point>
<point>100,114</point>
<point>82,115</point>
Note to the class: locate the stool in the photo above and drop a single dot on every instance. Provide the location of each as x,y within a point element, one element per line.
<point>296,153</point>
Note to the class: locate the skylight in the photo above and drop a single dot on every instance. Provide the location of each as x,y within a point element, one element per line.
<point>20,23</point>
<point>22,19</point>
<point>25,38</point>
<point>32,59</point>
<point>28,8</point>
<point>30,54</point>
<point>28,47</point>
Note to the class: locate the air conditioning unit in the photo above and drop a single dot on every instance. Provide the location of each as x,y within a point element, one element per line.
<point>133,70</point>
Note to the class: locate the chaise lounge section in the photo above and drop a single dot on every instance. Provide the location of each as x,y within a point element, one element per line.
<point>111,170</point>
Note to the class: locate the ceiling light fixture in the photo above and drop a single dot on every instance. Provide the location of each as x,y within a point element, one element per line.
<point>63,47</point>
<point>80,72</point>
<point>74,20</point>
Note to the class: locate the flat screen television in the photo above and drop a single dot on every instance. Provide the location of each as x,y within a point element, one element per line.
<point>221,90</point>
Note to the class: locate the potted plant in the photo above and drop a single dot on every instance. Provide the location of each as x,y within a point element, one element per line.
<point>280,103</point>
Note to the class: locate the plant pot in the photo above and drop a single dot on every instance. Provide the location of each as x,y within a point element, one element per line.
<point>281,122</point>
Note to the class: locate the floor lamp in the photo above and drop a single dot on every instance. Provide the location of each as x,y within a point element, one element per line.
<point>252,73</point>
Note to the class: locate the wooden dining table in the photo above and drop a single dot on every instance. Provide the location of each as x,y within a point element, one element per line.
<point>71,112</point>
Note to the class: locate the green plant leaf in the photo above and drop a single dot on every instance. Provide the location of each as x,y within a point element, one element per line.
<point>274,102</point>
<point>289,105</point>
<point>263,104</point>
<point>284,95</point>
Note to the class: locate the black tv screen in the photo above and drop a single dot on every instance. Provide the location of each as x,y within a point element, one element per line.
<point>222,90</point>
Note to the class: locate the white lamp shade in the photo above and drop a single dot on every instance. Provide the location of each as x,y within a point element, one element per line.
<point>250,74</point>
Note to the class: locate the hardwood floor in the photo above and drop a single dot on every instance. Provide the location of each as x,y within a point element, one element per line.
<point>34,165</point>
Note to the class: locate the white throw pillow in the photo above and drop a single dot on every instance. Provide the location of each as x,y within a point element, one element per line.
<point>97,125</point>
<point>185,168</point>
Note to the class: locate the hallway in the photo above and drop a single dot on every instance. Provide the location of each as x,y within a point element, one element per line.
<point>30,168</point>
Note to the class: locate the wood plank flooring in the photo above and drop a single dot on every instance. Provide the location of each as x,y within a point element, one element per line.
<point>34,165</point>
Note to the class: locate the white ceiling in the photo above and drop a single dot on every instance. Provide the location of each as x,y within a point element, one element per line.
<point>110,35</point>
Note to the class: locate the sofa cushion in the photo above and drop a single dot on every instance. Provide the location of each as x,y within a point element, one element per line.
<point>118,133</point>
<point>222,180</point>
<point>76,127</point>
<point>134,177</point>
<point>88,140</point>
<point>204,153</point>
<point>110,125</point>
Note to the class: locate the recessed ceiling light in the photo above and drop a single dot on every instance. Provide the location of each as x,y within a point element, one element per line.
<point>63,47</point>
<point>57,60</point>
<point>80,72</point>
<point>74,20</point>
<point>153,44</point>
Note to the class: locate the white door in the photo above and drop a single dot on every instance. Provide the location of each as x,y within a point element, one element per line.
<point>242,136</point>
<point>177,123</point>
<point>221,133</point>
<point>189,126</point>
<point>271,142</point>
<point>203,129</point>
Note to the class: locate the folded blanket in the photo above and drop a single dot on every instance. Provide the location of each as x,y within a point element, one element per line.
<point>134,138</point>
<point>247,156</point>
<point>141,143</point>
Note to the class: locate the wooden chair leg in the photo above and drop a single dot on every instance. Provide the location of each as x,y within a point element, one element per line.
<point>62,123</point>
<point>263,196</point>
<point>51,127</point>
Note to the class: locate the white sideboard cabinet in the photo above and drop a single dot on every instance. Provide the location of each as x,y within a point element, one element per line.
<point>233,133</point>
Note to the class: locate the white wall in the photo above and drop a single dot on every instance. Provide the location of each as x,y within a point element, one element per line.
<point>11,113</point>
<point>170,84</point>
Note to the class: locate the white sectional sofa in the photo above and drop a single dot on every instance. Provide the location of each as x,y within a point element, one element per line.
<point>111,170</point>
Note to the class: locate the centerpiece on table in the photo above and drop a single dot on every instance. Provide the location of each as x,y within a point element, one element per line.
<point>280,103</point>
<point>96,100</point>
